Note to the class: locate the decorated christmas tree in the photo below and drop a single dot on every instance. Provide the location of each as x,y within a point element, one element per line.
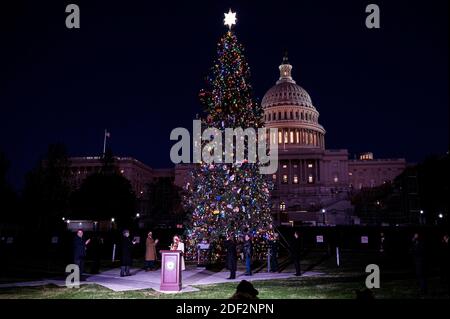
<point>229,199</point>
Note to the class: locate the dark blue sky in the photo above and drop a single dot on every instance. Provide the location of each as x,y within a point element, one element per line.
<point>135,67</point>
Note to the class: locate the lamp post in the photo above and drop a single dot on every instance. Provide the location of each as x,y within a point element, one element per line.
<point>323,214</point>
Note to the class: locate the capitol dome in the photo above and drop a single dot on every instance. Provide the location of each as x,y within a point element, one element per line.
<point>288,108</point>
<point>287,93</point>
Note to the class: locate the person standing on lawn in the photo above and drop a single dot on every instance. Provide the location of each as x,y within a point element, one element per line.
<point>230,246</point>
<point>248,253</point>
<point>126,260</point>
<point>79,251</point>
<point>150,252</point>
<point>295,252</point>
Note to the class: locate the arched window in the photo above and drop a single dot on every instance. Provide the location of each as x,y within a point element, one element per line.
<point>269,116</point>
<point>296,115</point>
<point>282,206</point>
<point>302,116</point>
<point>292,115</point>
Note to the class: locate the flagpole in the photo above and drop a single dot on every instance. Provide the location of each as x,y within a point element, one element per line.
<point>104,144</point>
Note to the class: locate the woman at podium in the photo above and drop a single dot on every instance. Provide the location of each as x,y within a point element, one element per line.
<point>178,245</point>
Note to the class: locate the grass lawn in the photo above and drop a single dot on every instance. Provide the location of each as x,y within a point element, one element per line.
<point>327,287</point>
<point>397,282</point>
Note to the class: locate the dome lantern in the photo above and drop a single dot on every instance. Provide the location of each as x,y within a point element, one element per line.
<point>285,71</point>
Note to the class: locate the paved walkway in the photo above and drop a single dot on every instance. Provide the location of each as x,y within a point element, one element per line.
<point>146,280</point>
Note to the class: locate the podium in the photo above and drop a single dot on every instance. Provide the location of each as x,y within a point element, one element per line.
<point>171,270</point>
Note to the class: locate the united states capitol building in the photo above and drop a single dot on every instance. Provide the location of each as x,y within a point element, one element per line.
<point>312,185</point>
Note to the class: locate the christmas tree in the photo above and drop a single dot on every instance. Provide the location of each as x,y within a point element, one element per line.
<point>229,199</point>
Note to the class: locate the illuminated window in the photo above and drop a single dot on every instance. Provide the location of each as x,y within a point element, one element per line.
<point>122,171</point>
<point>295,181</point>
<point>295,165</point>
<point>286,137</point>
<point>285,179</point>
<point>350,173</point>
<point>310,179</point>
<point>310,165</point>
<point>291,136</point>
<point>297,137</point>
<point>335,179</point>
<point>282,206</point>
<point>280,137</point>
<point>284,165</point>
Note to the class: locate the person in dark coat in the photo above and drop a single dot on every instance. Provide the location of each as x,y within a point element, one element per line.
<point>295,252</point>
<point>418,254</point>
<point>273,253</point>
<point>230,246</point>
<point>79,250</point>
<point>126,260</point>
<point>248,252</point>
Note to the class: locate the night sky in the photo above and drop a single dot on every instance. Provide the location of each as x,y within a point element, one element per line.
<point>136,67</point>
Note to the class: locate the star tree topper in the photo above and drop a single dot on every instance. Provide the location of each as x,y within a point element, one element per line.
<point>230,18</point>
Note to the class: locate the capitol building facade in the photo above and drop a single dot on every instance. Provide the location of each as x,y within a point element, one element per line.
<point>313,184</point>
